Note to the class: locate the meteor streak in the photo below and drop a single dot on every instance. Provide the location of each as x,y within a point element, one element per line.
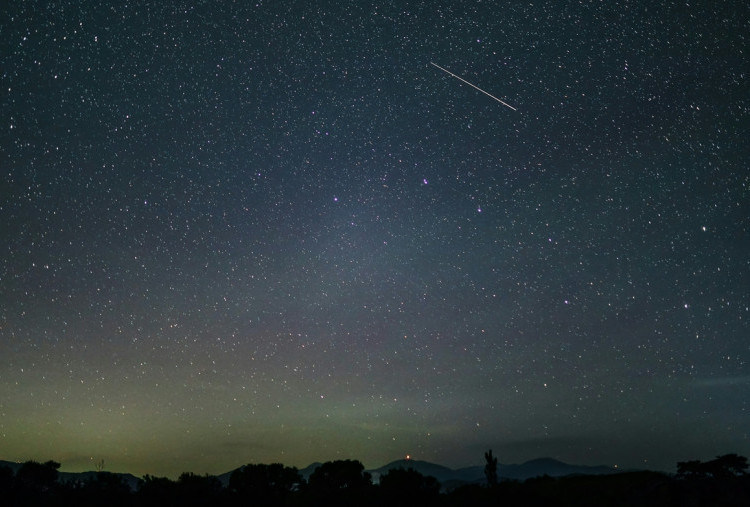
<point>473,86</point>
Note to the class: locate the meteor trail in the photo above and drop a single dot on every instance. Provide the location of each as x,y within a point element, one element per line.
<point>473,86</point>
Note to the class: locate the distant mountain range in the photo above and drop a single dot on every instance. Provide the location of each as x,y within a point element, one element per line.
<point>534,468</point>
<point>448,477</point>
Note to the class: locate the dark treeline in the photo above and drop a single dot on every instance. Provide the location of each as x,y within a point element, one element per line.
<point>337,483</point>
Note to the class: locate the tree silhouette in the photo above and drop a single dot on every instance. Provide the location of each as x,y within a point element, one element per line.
<point>408,487</point>
<point>721,481</point>
<point>264,484</point>
<point>156,491</point>
<point>197,490</point>
<point>340,475</point>
<point>341,482</point>
<point>6,483</point>
<point>689,469</point>
<point>104,488</point>
<point>38,476</point>
<point>490,468</point>
<point>36,483</point>
<point>6,476</point>
<point>728,465</point>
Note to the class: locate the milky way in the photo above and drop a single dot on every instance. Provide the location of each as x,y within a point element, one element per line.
<point>273,232</point>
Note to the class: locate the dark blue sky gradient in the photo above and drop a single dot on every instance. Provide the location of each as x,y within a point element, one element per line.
<point>240,232</point>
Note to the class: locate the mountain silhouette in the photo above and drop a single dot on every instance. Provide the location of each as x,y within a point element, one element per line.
<point>439,472</point>
<point>475,474</point>
<point>309,469</point>
<point>551,467</point>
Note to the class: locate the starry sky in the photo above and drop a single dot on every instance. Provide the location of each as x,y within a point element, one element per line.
<point>274,231</point>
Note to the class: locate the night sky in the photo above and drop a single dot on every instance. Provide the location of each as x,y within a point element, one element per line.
<point>237,232</point>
